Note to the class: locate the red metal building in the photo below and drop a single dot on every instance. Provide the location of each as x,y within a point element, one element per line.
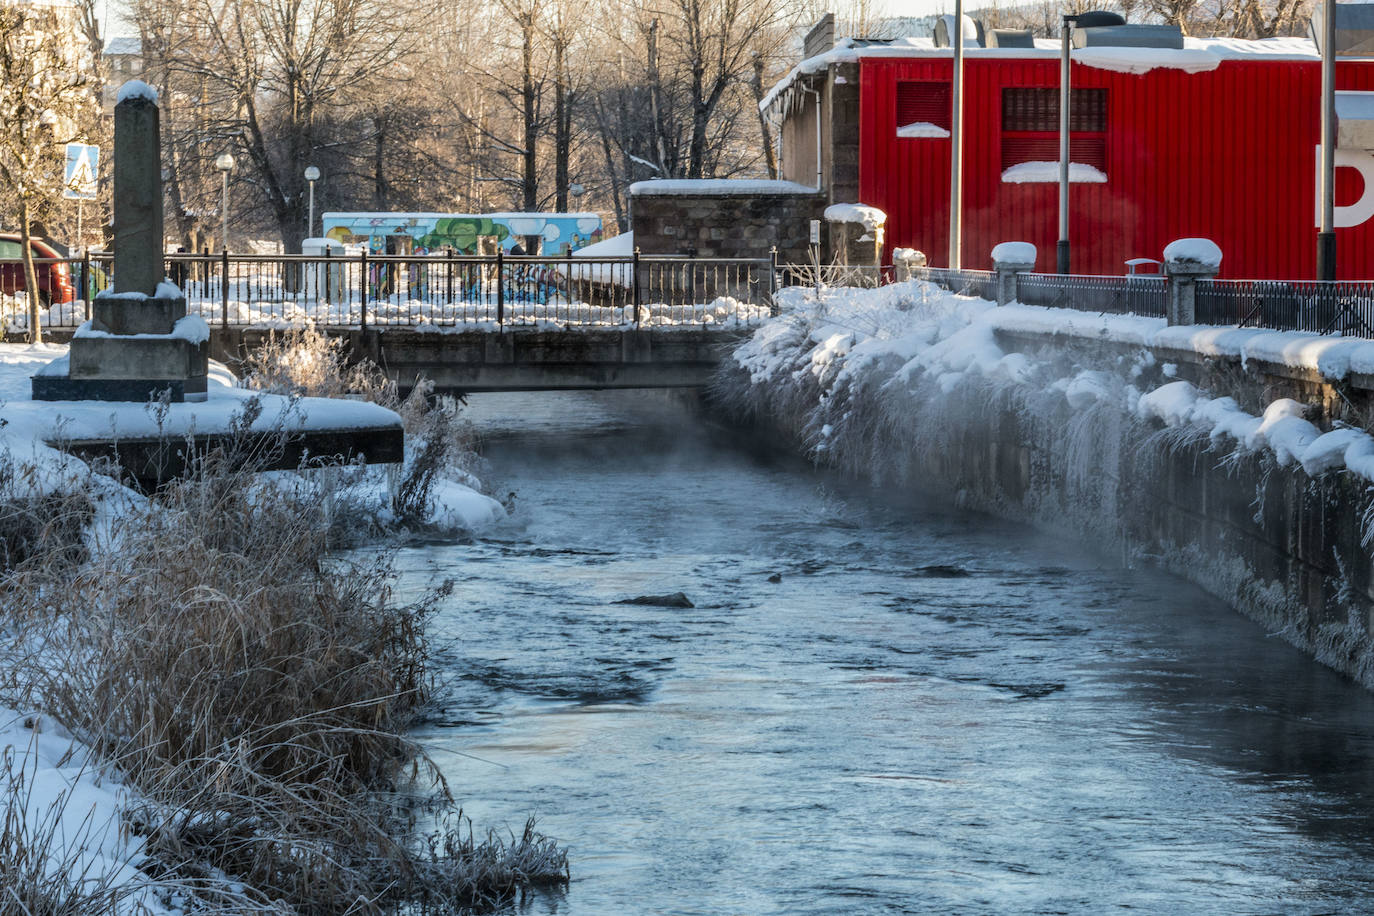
<point>1218,140</point>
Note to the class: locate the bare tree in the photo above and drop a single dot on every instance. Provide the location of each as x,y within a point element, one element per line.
<point>46,94</point>
<point>264,76</point>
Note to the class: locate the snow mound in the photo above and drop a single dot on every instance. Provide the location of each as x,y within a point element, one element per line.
<point>136,89</point>
<point>1014,253</point>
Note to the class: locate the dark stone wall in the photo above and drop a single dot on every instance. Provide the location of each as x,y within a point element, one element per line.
<point>842,165</point>
<point>725,225</point>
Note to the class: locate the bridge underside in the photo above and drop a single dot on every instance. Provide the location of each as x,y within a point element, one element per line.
<point>530,360</point>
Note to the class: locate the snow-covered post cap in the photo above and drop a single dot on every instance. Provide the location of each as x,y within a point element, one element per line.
<point>1010,259</point>
<point>1192,256</point>
<point>136,90</point>
<point>1187,261</point>
<point>1014,255</point>
<point>871,218</point>
<point>905,262</point>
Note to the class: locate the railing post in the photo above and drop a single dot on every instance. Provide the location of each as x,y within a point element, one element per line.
<point>634,286</point>
<point>1187,261</point>
<point>86,280</point>
<point>224,287</point>
<point>500,286</point>
<point>1010,260</point>
<point>366,284</point>
<point>448,282</point>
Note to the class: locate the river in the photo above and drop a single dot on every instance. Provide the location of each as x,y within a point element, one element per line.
<point>878,704</point>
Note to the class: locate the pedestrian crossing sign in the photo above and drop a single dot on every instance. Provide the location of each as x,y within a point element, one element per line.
<point>83,163</point>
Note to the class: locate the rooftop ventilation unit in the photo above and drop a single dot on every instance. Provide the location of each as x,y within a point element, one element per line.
<point>973,32</point>
<point>1009,38</point>
<point>1096,18</point>
<point>1354,29</point>
<point>1128,36</point>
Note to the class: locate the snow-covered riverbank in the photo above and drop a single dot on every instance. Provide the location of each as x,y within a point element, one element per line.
<point>67,831</point>
<point>910,385</point>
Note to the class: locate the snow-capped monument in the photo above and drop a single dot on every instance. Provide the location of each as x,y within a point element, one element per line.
<point>139,341</point>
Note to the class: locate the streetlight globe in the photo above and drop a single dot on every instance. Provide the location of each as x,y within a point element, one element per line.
<point>224,162</point>
<point>312,173</point>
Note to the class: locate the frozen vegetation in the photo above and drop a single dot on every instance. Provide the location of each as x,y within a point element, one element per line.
<point>907,385</point>
<point>204,703</point>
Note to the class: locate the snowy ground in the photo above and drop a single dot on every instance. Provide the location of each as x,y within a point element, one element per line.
<point>900,330</point>
<point>63,789</point>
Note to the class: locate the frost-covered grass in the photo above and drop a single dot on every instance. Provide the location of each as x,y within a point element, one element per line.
<point>202,709</point>
<point>908,385</point>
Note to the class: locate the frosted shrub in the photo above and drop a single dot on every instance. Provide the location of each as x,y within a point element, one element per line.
<point>255,691</point>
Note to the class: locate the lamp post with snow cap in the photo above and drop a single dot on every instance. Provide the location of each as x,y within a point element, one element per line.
<point>312,175</point>
<point>225,163</point>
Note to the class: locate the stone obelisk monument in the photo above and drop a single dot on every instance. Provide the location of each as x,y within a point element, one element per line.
<point>139,341</point>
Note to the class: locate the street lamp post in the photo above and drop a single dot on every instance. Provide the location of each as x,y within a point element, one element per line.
<point>312,175</point>
<point>1326,237</point>
<point>1061,254</point>
<point>225,163</point>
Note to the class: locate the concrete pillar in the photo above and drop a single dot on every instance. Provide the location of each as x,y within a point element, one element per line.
<point>1008,260</point>
<point>1186,261</point>
<point>856,234</point>
<point>138,245</point>
<point>906,262</point>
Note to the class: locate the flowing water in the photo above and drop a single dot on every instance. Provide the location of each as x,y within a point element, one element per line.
<point>877,704</point>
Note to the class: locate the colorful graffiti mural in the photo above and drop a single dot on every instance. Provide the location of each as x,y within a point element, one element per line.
<point>426,233</point>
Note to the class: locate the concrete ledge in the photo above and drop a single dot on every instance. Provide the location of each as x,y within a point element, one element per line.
<point>152,461</point>
<point>140,316</point>
<point>62,388</point>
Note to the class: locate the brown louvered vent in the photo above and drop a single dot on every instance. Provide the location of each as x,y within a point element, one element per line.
<point>923,102</point>
<point>1030,127</point>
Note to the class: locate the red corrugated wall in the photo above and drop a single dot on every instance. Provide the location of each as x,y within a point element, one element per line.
<point>1228,154</point>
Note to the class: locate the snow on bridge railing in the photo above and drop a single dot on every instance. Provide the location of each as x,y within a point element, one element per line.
<point>446,291</point>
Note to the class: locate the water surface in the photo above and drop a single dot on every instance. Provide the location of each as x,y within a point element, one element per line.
<point>877,705</point>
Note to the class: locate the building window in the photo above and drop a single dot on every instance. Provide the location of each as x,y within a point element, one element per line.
<point>1030,130</point>
<point>923,109</point>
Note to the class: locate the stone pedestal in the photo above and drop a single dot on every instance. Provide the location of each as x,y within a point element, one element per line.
<point>1187,261</point>
<point>856,234</point>
<point>139,342</point>
<point>1008,260</point>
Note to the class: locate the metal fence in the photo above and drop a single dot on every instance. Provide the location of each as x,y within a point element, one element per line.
<point>1322,306</point>
<point>980,283</point>
<point>444,291</point>
<point>1139,295</point>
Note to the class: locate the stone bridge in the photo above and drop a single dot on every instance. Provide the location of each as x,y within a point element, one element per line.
<point>471,361</point>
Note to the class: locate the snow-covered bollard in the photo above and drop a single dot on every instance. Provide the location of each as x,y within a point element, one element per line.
<point>856,234</point>
<point>1187,261</point>
<point>906,262</point>
<point>1010,259</point>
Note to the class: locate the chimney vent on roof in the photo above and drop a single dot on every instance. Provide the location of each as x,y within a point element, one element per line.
<point>821,38</point>
<point>944,27</point>
<point>1010,38</point>
<point>1095,18</point>
<point>1354,29</point>
<point>1129,36</point>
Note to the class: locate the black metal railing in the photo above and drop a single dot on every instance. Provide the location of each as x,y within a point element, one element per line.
<point>1119,295</point>
<point>439,291</point>
<point>980,283</point>
<point>1324,307</point>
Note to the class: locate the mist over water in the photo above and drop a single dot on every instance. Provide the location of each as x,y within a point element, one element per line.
<point>927,712</point>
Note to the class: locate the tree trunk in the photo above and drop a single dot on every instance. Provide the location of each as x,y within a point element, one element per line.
<point>35,334</point>
<point>529,95</point>
<point>764,130</point>
<point>562,127</point>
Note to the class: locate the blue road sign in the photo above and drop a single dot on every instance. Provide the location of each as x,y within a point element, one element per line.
<point>83,165</point>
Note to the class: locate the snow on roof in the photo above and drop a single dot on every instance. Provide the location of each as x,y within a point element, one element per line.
<point>136,89</point>
<point>1197,55</point>
<point>718,186</point>
<point>123,45</point>
<point>617,246</point>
